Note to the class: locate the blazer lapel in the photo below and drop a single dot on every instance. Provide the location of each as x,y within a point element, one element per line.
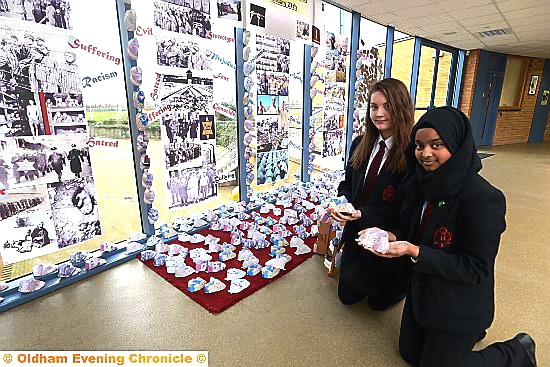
<point>359,178</point>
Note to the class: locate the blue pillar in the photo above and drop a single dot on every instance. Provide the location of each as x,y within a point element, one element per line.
<point>306,114</point>
<point>243,188</point>
<point>354,47</point>
<point>459,69</point>
<point>122,7</point>
<point>389,52</point>
<point>415,67</point>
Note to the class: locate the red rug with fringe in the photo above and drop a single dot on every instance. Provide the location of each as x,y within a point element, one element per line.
<point>220,301</point>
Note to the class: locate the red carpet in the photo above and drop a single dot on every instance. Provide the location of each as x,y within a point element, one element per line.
<point>220,301</point>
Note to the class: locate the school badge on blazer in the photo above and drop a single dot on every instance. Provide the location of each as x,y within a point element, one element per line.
<point>389,195</point>
<point>442,237</point>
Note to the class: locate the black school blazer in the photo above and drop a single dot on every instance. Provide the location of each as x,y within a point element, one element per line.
<point>452,283</point>
<point>359,267</point>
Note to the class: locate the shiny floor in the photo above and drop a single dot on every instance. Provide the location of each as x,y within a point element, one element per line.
<point>297,320</point>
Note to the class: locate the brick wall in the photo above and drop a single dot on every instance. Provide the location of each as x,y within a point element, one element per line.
<point>547,130</point>
<point>468,82</point>
<point>511,126</point>
<point>514,126</point>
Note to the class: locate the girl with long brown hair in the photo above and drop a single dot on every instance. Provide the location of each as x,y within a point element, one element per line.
<point>373,174</point>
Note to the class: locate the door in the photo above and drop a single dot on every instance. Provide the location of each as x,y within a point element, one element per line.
<point>486,129</point>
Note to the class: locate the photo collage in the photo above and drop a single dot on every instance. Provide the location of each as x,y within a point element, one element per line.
<point>333,125</point>
<point>272,115</point>
<point>44,158</point>
<point>188,130</point>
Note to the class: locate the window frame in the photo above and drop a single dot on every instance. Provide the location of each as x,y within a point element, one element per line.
<point>521,88</point>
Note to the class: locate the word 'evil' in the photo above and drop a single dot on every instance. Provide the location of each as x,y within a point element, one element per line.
<point>86,80</point>
<point>94,51</point>
<point>140,31</point>
<point>92,142</point>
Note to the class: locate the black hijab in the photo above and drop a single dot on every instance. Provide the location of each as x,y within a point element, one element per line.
<point>454,128</point>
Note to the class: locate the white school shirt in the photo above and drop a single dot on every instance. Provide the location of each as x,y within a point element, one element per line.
<point>389,143</point>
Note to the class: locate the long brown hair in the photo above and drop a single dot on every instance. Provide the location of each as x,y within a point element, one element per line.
<point>401,108</point>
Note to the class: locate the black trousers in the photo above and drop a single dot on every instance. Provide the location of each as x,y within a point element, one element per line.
<point>425,347</point>
<point>349,295</point>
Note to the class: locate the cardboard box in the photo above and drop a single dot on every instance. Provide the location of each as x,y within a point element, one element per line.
<point>323,238</point>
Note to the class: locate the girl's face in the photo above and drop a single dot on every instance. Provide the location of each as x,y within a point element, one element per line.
<point>380,114</point>
<point>431,152</point>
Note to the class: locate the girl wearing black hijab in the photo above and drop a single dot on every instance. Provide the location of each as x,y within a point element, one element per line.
<point>451,223</point>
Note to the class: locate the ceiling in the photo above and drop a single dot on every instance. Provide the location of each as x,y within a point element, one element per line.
<point>458,22</point>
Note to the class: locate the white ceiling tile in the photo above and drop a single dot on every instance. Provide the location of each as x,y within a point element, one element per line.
<point>528,20</point>
<point>510,5</point>
<point>478,11</point>
<point>487,27</point>
<point>453,5</point>
<point>529,12</point>
<point>481,21</point>
<point>441,18</point>
<point>421,11</point>
<point>530,27</point>
<point>370,9</point>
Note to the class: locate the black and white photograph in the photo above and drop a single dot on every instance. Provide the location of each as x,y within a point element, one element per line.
<point>272,83</point>
<point>26,224</point>
<point>273,53</point>
<point>67,118</point>
<point>257,15</point>
<point>336,58</point>
<point>180,125</point>
<point>189,154</point>
<point>33,62</point>
<point>230,9</point>
<point>272,167</point>
<point>202,5</point>
<point>270,135</point>
<point>187,93</point>
<point>185,19</point>
<point>333,143</point>
<point>333,122</point>
<point>179,53</point>
<point>183,154</point>
<point>20,115</point>
<point>29,161</point>
<point>302,30</point>
<point>55,13</point>
<point>75,211</point>
<point>191,186</point>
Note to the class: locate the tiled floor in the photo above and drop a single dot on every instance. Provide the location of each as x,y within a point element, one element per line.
<point>297,320</point>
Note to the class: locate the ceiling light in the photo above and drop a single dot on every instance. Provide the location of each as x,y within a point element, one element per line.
<point>449,33</point>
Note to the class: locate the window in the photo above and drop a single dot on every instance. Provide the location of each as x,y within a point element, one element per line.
<point>403,50</point>
<point>514,82</point>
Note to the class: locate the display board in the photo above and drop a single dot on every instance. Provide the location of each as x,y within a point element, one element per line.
<point>46,175</point>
